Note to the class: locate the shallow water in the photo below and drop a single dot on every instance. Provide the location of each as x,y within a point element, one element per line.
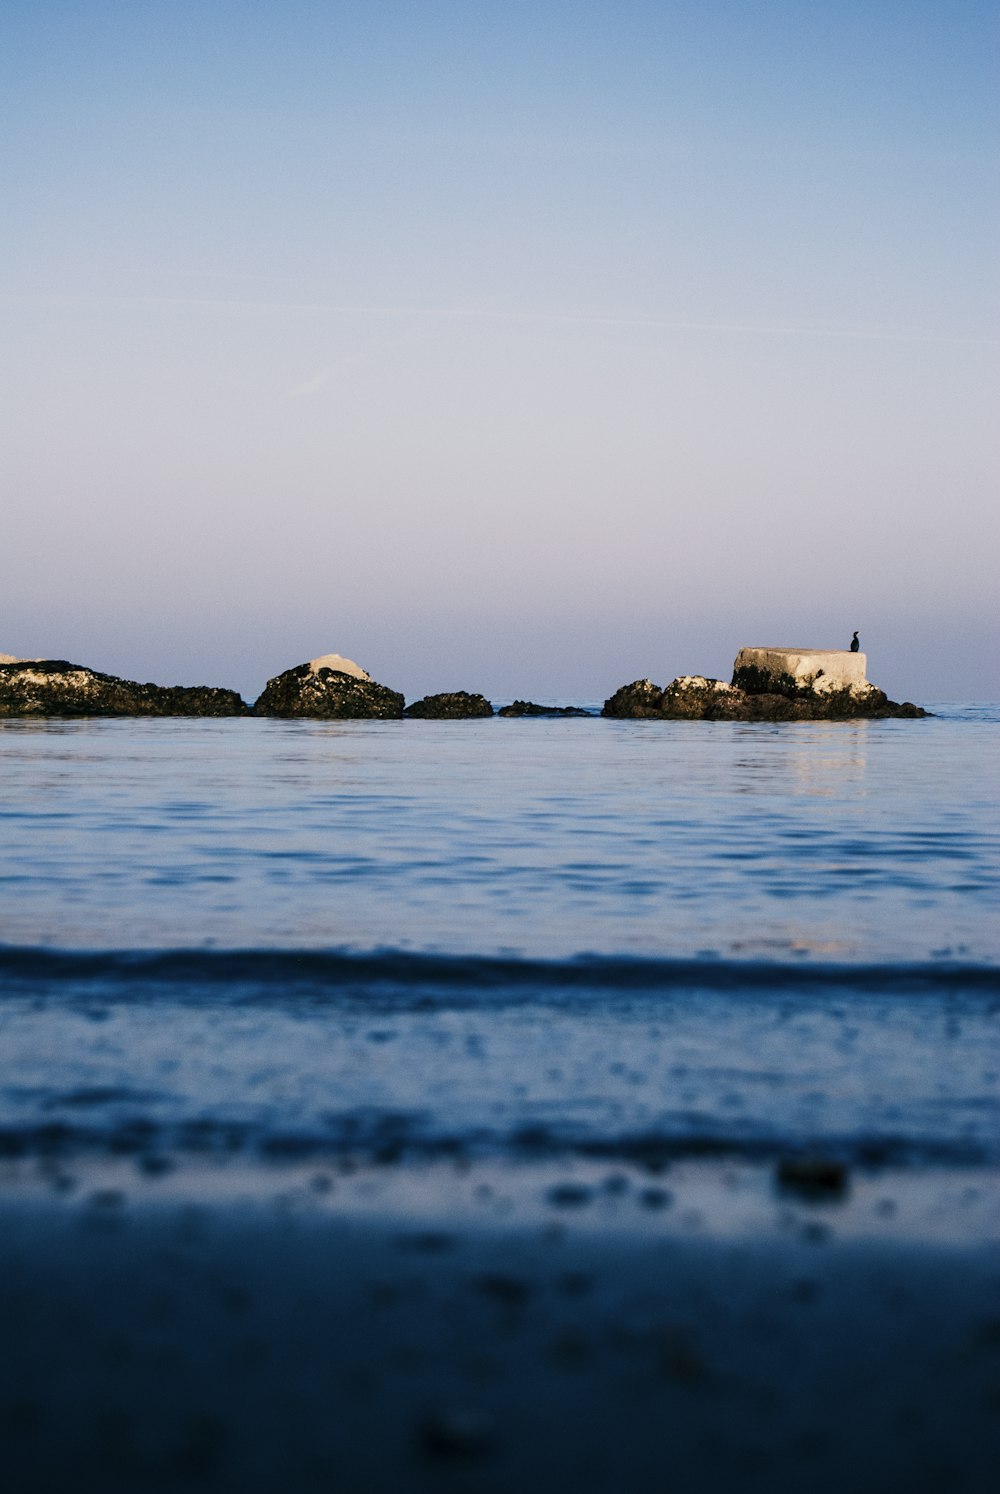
<point>858,841</point>
<point>505,1104</point>
<point>502,937</point>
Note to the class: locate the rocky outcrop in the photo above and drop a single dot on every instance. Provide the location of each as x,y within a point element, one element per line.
<point>820,685</point>
<point>768,684</point>
<point>451,705</point>
<point>829,682</point>
<point>54,687</point>
<point>634,702</point>
<point>315,690</point>
<point>529,708</point>
<point>690,698</point>
<point>695,698</point>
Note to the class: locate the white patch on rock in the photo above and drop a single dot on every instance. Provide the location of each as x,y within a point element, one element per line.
<point>340,664</point>
<point>701,682</point>
<point>10,659</point>
<point>77,679</point>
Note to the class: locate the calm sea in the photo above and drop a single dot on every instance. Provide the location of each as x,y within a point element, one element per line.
<point>502,934</point>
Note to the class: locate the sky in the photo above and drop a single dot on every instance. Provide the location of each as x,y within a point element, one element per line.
<point>527,348</point>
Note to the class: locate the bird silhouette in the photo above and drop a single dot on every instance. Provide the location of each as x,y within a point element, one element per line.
<point>855,645</point>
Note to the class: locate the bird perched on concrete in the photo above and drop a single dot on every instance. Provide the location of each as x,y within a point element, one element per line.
<point>855,645</point>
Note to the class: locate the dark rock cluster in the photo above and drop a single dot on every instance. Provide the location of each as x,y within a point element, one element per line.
<point>54,687</point>
<point>450,705</point>
<point>327,695</point>
<point>694,698</point>
<point>529,708</point>
<point>684,700</point>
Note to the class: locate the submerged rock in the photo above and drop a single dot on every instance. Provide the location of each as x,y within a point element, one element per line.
<point>450,705</point>
<point>316,690</point>
<point>529,708</point>
<point>54,687</point>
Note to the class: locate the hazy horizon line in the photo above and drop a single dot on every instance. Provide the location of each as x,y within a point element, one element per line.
<point>842,332</point>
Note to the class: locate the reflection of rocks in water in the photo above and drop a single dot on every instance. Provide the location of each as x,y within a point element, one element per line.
<point>828,761</point>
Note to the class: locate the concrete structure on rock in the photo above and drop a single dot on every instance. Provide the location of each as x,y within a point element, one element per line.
<point>820,670</point>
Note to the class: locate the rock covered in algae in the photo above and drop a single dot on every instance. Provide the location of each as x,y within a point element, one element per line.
<point>768,684</point>
<point>55,687</point>
<point>450,705</point>
<point>531,708</point>
<point>317,690</point>
<point>696,698</point>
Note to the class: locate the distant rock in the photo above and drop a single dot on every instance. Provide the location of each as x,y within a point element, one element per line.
<point>451,705</point>
<point>633,702</point>
<point>757,694</point>
<point>692,697</point>
<point>317,690</point>
<point>823,684</point>
<point>529,708</point>
<point>54,687</point>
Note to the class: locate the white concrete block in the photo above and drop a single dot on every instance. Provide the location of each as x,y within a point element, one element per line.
<point>819,669</point>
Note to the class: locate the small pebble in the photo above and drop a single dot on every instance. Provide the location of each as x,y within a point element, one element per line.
<point>510,1291</point>
<point>813,1177</point>
<point>107,1198</point>
<point>427,1242</point>
<point>455,1436</point>
<point>569,1196</point>
<point>154,1164</point>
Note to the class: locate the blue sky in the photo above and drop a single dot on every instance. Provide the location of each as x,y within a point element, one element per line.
<point>528,348</point>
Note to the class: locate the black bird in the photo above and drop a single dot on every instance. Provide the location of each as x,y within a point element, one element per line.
<point>855,645</point>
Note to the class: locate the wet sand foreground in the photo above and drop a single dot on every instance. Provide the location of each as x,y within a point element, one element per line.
<point>566,1324</point>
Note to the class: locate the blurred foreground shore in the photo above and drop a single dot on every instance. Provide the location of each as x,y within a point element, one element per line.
<point>488,1325</point>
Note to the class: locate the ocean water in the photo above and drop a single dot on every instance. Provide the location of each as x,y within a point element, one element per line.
<point>502,937</point>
